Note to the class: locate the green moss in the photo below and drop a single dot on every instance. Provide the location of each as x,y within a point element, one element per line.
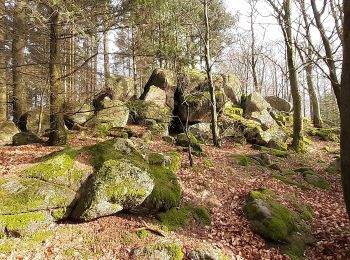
<point>174,164</point>
<point>69,252</point>
<point>22,195</point>
<point>173,249</point>
<point>141,110</point>
<point>184,141</point>
<point>143,234</point>
<point>209,163</point>
<point>58,170</point>
<point>244,160</point>
<point>5,248</point>
<point>156,159</point>
<point>275,152</point>
<point>304,211</point>
<point>236,114</point>
<point>289,181</point>
<point>179,217</point>
<point>166,192</point>
<point>326,134</point>
<point>316,180</point>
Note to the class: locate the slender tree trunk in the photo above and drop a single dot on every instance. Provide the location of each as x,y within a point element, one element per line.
<point>315,105</point>
<point>329,53</point>
<point>345,109</point>
<point>58,135</point>
<point>18,46</point>
<point>106,63</point>
<point>297,143</point>
<point>214,117</point>
<point>3,88</point>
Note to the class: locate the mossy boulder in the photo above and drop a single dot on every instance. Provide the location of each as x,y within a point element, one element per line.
<point>334,167</point>
<point>156,95</point>
<point>208,253</point>
<point>164,80</point>
<point>141,110</point>
<point>191,140</point>
<point>232,88</point>
<point>122,88</point>
<point>7,130</point>
<point>326,134</point>
<point>264,119</point>
<point>277,223</point>
<point>166,191</point>
<point>256,103</point>
<point>180,217</point>
<point>279,104</point>
<point>157,128</point>
<point>201,131</point>
<point>114,113</point>
<point>119,184</point>
<point>161,250</point>
<point>78,114</point>
<point>26,139</point>
<point>62,169</point>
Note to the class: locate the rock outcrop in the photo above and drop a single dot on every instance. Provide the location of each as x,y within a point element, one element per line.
<point>8,130</point>
<point>279,104</point>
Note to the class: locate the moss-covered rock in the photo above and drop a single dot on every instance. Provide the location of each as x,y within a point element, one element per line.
<point>159,251</point>
<point>26,139</point>
<point>20,195</point>
<point>156,95</point>
<point>208,253</point>
<point>118,185</point>
<point>62,170</point>
<point>326,134</point>
<point>256,103</point>
<point>334,167</point>
<point>184,141</point>
<point>7,130</point>
<point>180,217</point>
<point>141,110</point>
<point>278,223</point>
<point>166,191</point>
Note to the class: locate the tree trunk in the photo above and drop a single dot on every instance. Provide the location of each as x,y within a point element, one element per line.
<point>345,109</point>
<point>58,135</point>
<point>3,88</point>
<point>106,64</point>
<point>214,116</point>
<point>329,53</point>
<point>18,46</point>
<point>297,143</point>
<point>315,111</point>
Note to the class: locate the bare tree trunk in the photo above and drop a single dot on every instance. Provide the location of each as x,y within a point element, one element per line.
<point>106,64</point>
<point>315,111</point>
<point>214,116</point>
<point>329,60</point>
<point>18,46</point>
<point>345,109</point>
<point>58,135</point>
<point>3,88</point>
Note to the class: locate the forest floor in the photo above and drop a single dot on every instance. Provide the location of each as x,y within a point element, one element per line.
<point>216,181</point>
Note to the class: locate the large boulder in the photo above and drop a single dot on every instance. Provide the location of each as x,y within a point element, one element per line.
<point>166,81</point>
<point>25,139</point>
<point>114,113</point>
<point>118,185</point>
<point>256,103</point>
<point>232,88</point>
<point>157,96</point>
<point>29,121</point>
<point>202,131</point>
<point>8,130</point>
<point>78,114</point>
<point>196,107</point>
<point>279,104</point>
<point>264,118</point>
<point>141,111</point>
<point>42,193</point>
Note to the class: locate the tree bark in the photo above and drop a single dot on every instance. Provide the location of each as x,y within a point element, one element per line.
<point>214,116</point>
<point>18,46</point>
<point>3,88</point>
<point>106,64</point>
<point>345,109</point>
<point>329,60</point>
<point>58,135</point>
